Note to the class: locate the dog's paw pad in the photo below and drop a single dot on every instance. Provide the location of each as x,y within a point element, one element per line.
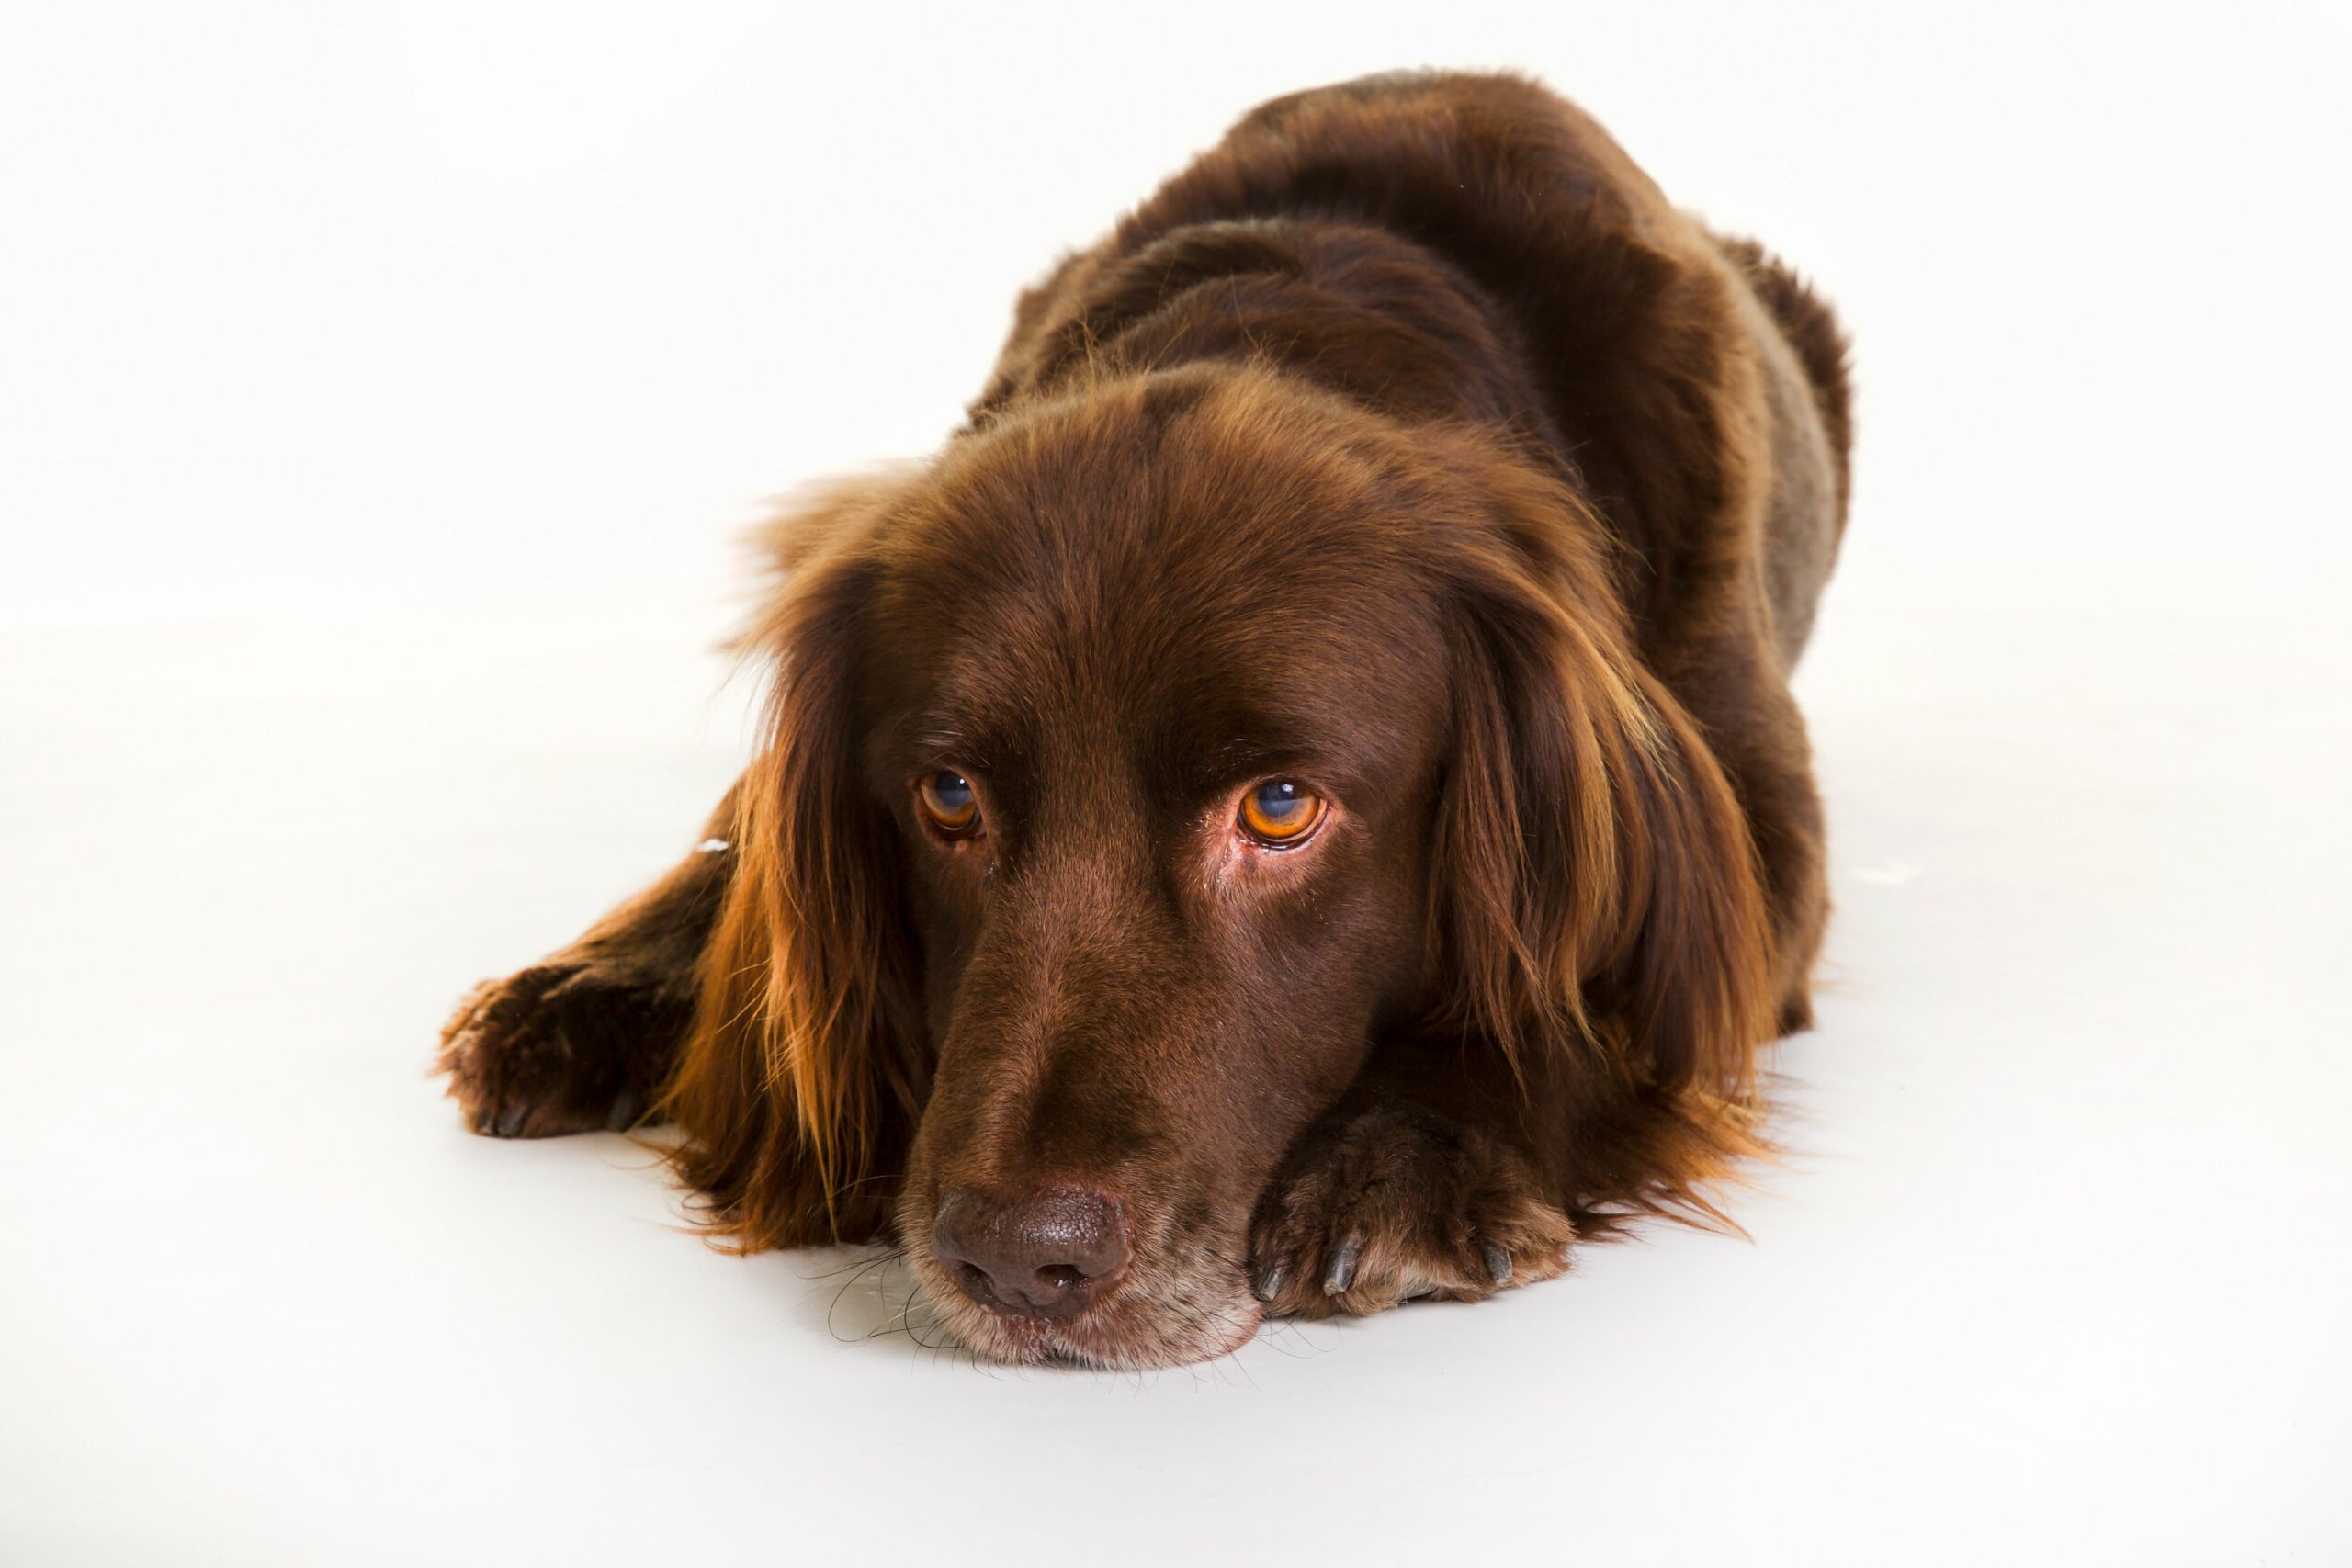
<point>1395,1205</point>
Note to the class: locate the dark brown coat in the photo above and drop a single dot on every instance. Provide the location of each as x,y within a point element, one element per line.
<point>1408,463</point>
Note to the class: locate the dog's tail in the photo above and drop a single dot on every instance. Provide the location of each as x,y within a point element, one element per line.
<point>1813,331</point>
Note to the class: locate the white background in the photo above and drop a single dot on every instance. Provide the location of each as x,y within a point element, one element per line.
<point>381,389</point>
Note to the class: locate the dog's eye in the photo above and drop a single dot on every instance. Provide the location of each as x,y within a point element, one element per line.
<point>948,803</point>
<point>1280,812</point>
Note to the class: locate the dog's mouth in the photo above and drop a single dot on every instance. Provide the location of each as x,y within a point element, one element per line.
<point>1135,1327</point>
<point>1163,1306</point>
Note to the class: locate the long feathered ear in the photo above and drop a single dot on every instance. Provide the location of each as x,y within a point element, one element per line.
<point>1600,895</point>
<point>799,1085</point>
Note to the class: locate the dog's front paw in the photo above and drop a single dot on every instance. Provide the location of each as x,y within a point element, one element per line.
<point>564,1046</point>
<point>1395,1202</point>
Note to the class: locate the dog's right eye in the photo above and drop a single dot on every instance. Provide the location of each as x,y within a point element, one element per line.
<point>948,803</point>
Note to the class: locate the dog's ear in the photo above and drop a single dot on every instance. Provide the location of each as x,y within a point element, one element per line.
<point>1599,897</point>
<point>801,1083</point>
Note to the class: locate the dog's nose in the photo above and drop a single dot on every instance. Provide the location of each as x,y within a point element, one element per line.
<point>1044,1255</point>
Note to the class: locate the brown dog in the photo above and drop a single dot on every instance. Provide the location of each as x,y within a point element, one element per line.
<point>1299,804</point>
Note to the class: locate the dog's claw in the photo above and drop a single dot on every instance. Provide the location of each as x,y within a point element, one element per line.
<point>1342,1272</point>
<point>510,1122</point>
<point>1269,1284</point>
<point>1498,1263</point>
<point>625,1110</point>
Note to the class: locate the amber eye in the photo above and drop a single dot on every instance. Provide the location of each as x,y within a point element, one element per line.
<point>1281,812</point>
<point>947,803</point>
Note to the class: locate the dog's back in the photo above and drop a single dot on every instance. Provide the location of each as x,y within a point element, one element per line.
<point>1691,383</point>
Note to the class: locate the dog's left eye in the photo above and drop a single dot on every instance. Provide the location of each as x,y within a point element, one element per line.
<point>1280,812</point>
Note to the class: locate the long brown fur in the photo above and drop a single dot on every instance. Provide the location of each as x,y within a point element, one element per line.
<point>1409,436</point>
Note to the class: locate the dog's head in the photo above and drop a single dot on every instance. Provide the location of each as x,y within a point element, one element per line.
<point>1135,768</point>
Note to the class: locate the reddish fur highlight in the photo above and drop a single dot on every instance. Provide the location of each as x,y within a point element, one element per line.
<point>805,1065</point>
<point>1603,904</point>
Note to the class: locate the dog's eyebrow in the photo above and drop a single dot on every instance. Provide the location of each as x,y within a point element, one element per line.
<point>937,736</point>
<point>1279,750</point>
<point>1244,752</point>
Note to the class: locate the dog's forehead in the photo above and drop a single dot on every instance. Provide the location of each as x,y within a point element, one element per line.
<point>1271,665</point>
<point>1177,594</point>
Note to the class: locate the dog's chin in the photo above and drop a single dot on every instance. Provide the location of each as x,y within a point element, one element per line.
<point>1167,1320</point>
